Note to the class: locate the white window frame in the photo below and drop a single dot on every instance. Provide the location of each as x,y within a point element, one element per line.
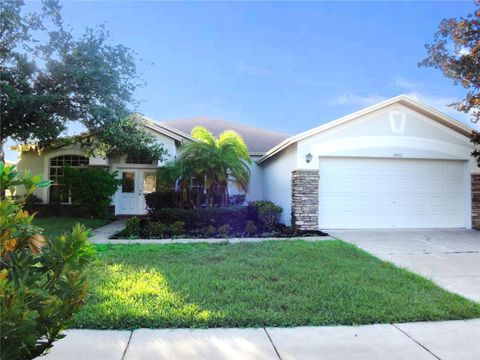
<point>58,154</point>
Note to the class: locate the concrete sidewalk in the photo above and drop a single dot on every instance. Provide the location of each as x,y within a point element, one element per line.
<point>424,340</point>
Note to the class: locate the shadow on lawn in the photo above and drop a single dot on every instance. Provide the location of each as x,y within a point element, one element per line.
<point>126,296</point>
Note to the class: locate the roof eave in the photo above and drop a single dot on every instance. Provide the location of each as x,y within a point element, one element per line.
<point>165,129</point>
<point>402,99</point>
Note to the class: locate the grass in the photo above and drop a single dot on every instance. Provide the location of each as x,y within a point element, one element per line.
<point>277,283</point>
<point>55,225</point>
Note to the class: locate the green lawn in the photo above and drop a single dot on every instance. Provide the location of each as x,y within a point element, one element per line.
<point>284,283</point>
<point>54,226</point>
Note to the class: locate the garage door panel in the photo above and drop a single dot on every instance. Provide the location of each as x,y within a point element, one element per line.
<point>391,193</point>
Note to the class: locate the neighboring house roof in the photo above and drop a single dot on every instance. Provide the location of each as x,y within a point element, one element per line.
<point>401,99</point>
<point>257,140</point>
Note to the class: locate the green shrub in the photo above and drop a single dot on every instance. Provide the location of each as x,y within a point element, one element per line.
<point>250,228</point>
<point>157,200</point>
<point>91,189</point>
<point>157,230</point>
<point>169,216</point>
<point>42,281</point>
<point>266,212</point>
<point>178,228</point>
<point>236,200</point>
<point>195,219</point>
<point>224,230</point>
<point>209,231</point>
<point>132,227</point>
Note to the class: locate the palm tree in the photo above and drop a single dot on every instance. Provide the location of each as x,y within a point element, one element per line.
<point>217,161</point>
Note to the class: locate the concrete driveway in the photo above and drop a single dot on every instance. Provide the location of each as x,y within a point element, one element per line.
<point>451,258</point>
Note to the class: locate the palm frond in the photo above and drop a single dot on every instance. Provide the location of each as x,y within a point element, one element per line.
<point>202,134</point>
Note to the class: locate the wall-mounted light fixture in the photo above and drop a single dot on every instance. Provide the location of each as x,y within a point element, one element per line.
<point>308,157</point>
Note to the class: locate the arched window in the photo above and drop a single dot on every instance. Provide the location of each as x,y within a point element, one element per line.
<point>57,192</point>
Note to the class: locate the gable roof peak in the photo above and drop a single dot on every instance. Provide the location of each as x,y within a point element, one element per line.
<point>402,99</point>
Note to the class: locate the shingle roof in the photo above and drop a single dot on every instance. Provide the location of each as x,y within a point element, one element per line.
<point>257,140</point>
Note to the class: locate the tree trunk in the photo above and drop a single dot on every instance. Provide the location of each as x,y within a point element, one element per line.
<point>2,153</point>
<point>2,159</point>
<point>225,195</point>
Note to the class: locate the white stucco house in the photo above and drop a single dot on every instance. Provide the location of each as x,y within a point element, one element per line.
<point>397,164</point>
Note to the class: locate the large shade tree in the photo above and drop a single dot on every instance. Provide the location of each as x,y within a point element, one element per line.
<point>49,79</point>
<point>456,52</point>
<point>212,161</point>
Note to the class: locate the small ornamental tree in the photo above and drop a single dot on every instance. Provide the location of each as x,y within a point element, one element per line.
<point>42,281</point>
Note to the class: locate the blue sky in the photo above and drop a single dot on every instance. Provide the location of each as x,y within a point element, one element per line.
<point>287,66</point>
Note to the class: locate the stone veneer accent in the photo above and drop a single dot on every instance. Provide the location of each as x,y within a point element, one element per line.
<point>305,199</point>
<point>476,201</point>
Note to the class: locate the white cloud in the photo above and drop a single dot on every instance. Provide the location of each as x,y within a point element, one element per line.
<point>250,69</point>
<point>464,51</point>
<point>441,103</point>
<point>406,84</point>
<point>437,102</point>
<point>416,91</point>
<point>256,70</point>
<point>359,100</point>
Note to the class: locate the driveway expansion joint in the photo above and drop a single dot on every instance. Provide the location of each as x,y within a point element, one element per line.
<point>128,344</point>
<point>418,343</point>
<point>273,345</point>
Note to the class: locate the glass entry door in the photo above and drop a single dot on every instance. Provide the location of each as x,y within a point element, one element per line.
<point>130,198</point>
<point>149,184</point>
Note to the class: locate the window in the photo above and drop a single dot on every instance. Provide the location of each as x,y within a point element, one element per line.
<point>198,185</point>
<point>139,159</point>
<point>128,182</point>
<point>149,182</point>
<point>58,193</point>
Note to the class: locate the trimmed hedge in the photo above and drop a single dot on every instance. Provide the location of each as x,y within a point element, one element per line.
<point>159,200</point>
<point>195,219</point>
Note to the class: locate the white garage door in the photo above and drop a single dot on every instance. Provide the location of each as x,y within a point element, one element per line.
<point>391,193</point>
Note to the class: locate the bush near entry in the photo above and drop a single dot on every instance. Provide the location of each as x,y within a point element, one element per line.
<point>91,189</point>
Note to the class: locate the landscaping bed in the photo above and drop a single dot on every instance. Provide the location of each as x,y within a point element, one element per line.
<point>283,283</point>
<point>259,219</point>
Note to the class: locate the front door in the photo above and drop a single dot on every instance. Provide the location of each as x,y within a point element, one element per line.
<point>130,199</point>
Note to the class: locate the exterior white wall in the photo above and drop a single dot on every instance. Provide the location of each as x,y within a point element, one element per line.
<point>393,132</point>
<point>473,167</point>
<point>255,187</point>
<point>277,180</point>
<point>169,144</point>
